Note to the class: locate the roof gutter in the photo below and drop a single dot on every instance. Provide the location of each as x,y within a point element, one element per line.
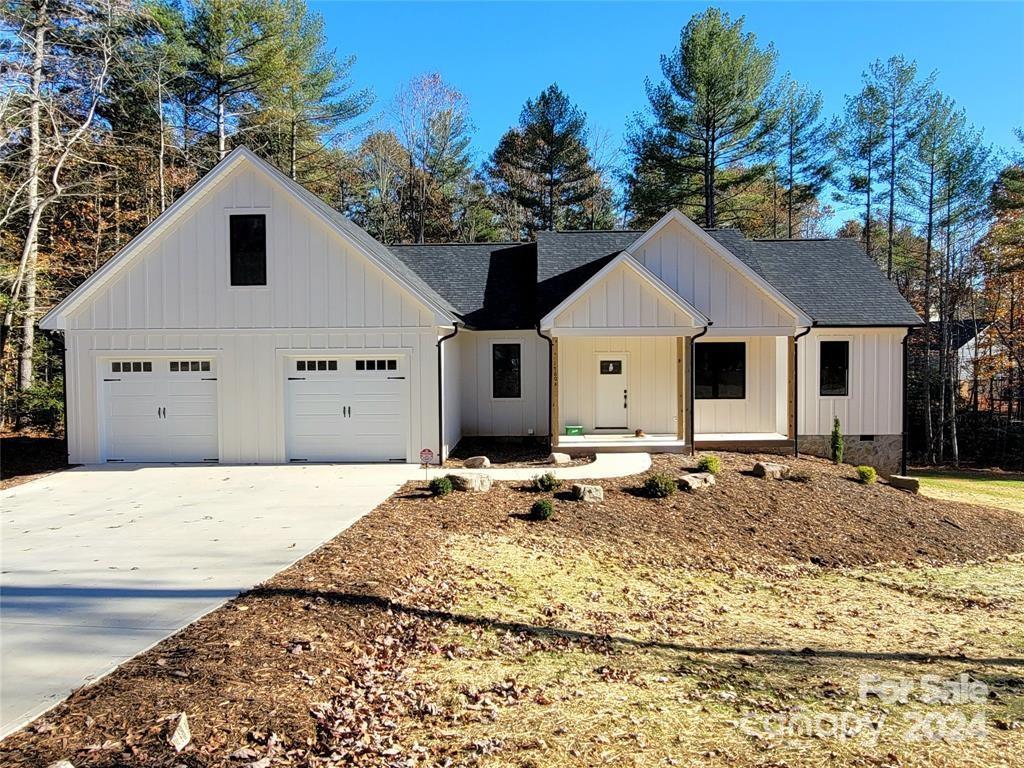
<point>551,374</point>
<point>440,395</point>
<point>796,386</point>
<point>691,395</point>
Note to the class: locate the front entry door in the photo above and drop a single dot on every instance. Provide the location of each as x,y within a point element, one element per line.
<point>612,393</point>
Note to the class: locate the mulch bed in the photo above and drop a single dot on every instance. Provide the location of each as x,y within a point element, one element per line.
<point>26,456</point>
<point>282,672</point>
<point>507,453</point>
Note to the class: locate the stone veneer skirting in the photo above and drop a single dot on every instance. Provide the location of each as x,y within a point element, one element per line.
<point>882,453</point>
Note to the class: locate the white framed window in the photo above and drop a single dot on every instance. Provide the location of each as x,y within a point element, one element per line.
<point>506,370</point>
<point>834,368</point>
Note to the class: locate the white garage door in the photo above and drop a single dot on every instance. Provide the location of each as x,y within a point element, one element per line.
<point>346,409</point>
<point>156,410</point>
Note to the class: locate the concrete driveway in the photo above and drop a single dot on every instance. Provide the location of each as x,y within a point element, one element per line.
<point>100,563</point>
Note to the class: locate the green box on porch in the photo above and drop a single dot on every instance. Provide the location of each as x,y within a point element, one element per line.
<point>573,429</point>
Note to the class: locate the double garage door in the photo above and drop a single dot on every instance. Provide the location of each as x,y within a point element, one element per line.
<point>335,409</point>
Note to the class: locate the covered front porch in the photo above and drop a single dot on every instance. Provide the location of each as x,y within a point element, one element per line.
<point>656,393</point>
<point>636,367</point>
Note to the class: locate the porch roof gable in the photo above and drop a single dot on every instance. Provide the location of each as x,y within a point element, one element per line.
<point>618,308</point>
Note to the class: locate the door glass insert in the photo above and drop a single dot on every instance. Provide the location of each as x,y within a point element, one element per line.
<point>613,367</point>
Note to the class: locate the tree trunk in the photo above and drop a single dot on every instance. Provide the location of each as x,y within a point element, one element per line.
<point>892,191</point>
<point>929,437</point>
<point>789,191</point>
<point>163,140</point>
<point>25,368</point>
<point>292,139</point>
<point>867,211</point>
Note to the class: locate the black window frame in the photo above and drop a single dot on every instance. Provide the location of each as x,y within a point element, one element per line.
<point>826,367</point>
<point>500,379</point>
<point>246,269</point>
<point>714,376</point>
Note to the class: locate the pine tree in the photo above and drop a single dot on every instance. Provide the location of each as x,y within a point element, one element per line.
<point>715,110</point>
<point>859,144</point>
<point>543,164</point>
<point>806,157</point>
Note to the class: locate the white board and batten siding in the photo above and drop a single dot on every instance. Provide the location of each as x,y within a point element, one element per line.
<point>766,388</point>
<point>874,403</point>
<point>711,284</point>
<point>622,300</point>
<point>174,300</point>
<point>484,415</point>
<point>650,363</point>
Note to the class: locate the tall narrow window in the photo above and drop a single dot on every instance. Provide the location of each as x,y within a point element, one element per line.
<point>249,249</point>
<point>721,371</point>
<point>506,362</point>
<point>835,369</point>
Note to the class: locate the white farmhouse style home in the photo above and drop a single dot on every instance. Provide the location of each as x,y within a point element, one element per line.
<point>252,323</point>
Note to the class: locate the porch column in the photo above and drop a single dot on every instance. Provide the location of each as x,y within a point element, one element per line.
<point>554,393</point>
<point>791,381</point>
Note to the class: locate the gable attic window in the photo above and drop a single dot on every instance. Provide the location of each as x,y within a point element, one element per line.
<point>835,369</point>
<point>720,369</point>
<point>248,235</point>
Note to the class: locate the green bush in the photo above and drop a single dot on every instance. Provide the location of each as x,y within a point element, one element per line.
<point>546,483</point>
<point>866,474</point>
<point>659,485</point>
<point>441,486</point>
<point>542,509</point>
<point>40,406</point>
<point>836,442</point>
<point>709,463</point>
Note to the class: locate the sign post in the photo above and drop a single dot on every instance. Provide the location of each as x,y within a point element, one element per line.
<point>426,459</point>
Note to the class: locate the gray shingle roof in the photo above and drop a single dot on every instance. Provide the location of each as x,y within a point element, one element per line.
<point>490,285</point>
<point>833,281</point>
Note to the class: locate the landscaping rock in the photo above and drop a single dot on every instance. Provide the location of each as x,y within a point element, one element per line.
<point>559,458</point>
<point>591,493</point>
<point>472,483</point>
<point>770,470</point>
<point>696,480</point>
<point>905,483</point>
<point>477,462</point>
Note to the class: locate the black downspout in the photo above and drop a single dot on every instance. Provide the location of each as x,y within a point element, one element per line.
<point>551,373</point>
<point>440,396</point>
<point>796,389</point>
<point>691,414</point>
<point>903,408</point>
<point>64,386</point>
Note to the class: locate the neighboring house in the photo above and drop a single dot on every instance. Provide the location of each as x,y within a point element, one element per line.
<point>252,323</point>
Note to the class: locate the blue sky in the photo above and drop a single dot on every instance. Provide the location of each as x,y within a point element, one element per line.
<point>500,54</point>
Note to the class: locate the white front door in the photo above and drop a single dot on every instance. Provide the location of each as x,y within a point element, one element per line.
<point>612,393</point>
<point>346,409</point>
<point>158,410</point>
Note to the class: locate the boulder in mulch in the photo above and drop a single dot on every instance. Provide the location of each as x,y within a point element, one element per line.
<point>696,480</point>
<point>472,483</point>
<point>559,458</point>
<point>769,470</point>
<point>591,493</point>
<point>905,483</point>
<point>477,462</point>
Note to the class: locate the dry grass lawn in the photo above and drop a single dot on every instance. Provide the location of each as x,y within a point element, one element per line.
<point>685,631</point>
<point>995,489</point>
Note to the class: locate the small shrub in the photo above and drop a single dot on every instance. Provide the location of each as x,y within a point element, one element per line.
<point>659,485</point>
<point>542,509</point>
<point>546,483</point>
<point>836,442</point>
<point>441,486</point>
<point>866,474</point>
<point>709,463</point>
<point>799,477</point>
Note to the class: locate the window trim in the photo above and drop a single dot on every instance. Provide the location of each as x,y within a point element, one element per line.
<point>746,370</point>
<point>849,362</point>
<point>251,211</point>
<point>518,343</point>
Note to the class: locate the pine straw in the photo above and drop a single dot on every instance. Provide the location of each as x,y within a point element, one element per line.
<point>436,629</point>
